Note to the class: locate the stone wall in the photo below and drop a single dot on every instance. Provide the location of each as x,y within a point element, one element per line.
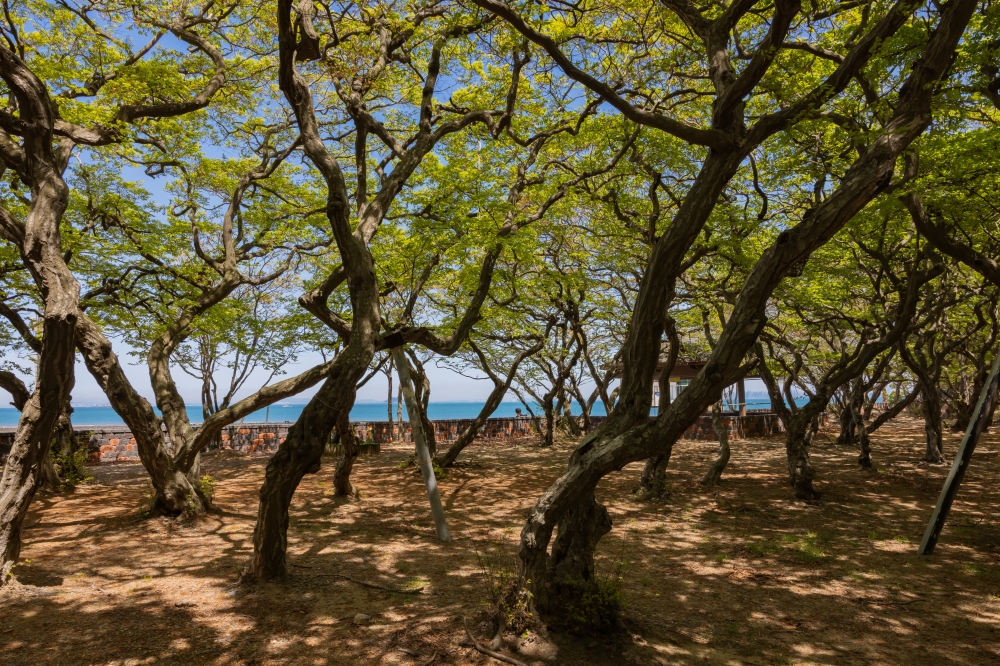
<point>110,444</point>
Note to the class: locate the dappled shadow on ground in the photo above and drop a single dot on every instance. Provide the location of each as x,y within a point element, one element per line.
<point>739,574</point>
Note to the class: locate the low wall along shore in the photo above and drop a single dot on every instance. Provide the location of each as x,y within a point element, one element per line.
<point>110,444</point>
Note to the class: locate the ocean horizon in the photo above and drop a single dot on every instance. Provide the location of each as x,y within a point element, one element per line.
<point>288,412</point>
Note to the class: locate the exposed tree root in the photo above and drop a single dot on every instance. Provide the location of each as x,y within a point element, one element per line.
<point>489,653</point>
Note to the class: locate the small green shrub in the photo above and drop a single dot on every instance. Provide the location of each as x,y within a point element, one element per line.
<point>207,487</point>
<point>508,601</point>
<point>73,467</point>
<point>598,605</point>
<point>148,499</point>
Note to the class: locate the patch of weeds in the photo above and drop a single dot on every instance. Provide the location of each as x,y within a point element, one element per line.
<point>508,601</point>
<point>72,467</point>
<point>147,500</point>
<point>761,548</point>
<point>597,607</point>
<point>809,550</point>
<point>721,557</point>
<point>408,461</point>
<point>439,472</point>
<point>901,539</point>
<point>207,487</point>
<point>874,536</point>
<point>660,529</point>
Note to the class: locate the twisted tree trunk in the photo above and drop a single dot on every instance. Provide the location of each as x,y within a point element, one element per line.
<point>714,474</point>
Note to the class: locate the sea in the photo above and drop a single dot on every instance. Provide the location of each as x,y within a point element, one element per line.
<point>362,411</point>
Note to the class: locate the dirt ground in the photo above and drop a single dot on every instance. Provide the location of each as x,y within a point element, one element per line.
<point>739,574</point>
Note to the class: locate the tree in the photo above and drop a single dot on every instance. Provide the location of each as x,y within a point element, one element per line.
<point>627,435</point>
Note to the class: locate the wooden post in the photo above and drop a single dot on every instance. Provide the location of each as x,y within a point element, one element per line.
<point>741,396</point>
<point>423,455</point>
<point>976,427</point>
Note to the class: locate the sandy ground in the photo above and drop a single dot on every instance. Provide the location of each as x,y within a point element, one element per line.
<point>739,574</point>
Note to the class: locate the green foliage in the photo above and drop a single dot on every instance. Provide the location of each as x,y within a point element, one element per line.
<point>73,466</point>
<point>507,600</point>
<point>206,485</point>
<point>595,606</point>
<point>148,499</point>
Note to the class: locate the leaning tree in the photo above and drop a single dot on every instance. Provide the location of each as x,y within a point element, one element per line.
<point>746,109</point>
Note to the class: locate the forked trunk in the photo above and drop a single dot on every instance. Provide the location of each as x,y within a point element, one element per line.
<point>653,481</point>
<point>847,425</point>
<point>797,441</point>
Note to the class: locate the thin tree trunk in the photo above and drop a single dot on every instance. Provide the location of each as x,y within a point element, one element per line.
<point>864,442</point>
<point>300,454</point>
<point>714,474</point>
<point>424,460</point>
<point>932,423</point>
<point>399,411</point>
<point>342,486</point>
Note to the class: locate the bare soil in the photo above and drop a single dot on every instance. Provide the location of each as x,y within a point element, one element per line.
<point>737,574</point>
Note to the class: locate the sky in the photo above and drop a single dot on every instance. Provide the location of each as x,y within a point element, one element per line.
<point>446,385</point>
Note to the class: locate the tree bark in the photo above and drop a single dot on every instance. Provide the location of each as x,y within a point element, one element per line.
<point>714,474</point>
<point>39,243</point>
<point>424,460</point>
<point>653,480</point>
<point>627,438</point>
<point>342,486</point>
<point>797,442</point>
<point>933,427</point>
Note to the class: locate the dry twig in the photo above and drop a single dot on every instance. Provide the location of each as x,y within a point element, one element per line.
<point>372,585</point>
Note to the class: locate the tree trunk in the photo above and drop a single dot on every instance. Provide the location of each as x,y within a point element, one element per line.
<point>176,488</point>
<point>847,425</point>
<point>49,478</point>
<point>342,486</point>
<point>653,480</point>
<point>932,423</point>
<point>424,460</point>
<point>548,436</point>
<point>864,442</point>
<point>422,393</point>
<point>573,553</point>
<point>399,412</point>
<point>797,441</point>
<point>41,165</point>
<point>22,472</point>
<point>714,474</point>
<point>298,455</point>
